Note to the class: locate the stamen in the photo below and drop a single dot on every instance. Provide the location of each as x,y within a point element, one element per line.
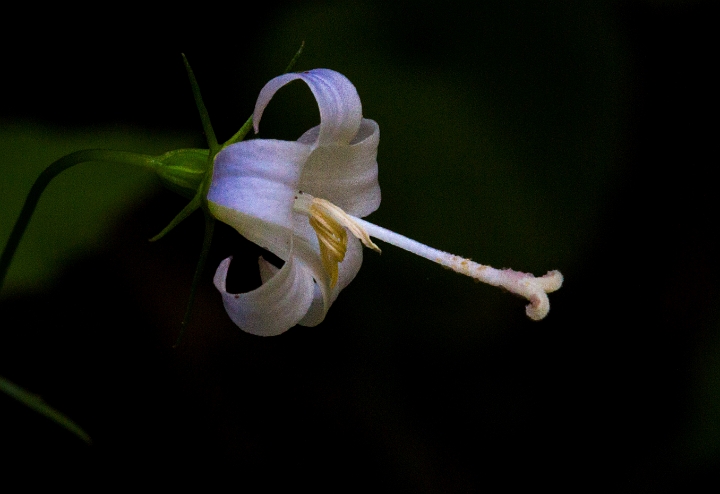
<point>345,220</point>
<point>332,239</point>
<point>328,221</point>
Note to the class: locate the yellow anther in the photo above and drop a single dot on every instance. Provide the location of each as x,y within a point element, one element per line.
<point>344,219</point>
<point>332,239</point>
<point>329,223</point>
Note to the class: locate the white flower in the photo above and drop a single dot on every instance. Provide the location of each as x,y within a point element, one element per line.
<point>300,199</point>
<point>254,188</point>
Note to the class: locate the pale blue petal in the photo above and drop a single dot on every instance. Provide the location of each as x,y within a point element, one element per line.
<point>308,254</point>
<point>267,270</point>
<point>337,98</point>
<point>273,308</point>
<point>346,175</point>
<point>347,270</point>
<point>316,313</point>
<point>253,190</point>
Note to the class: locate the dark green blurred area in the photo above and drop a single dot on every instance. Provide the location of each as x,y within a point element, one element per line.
<point>536,136</point>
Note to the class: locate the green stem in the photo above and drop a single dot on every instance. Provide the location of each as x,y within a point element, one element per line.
<point>209,229</point>
<point>52,171</point>
<point>38,404</point>
<point>295,58</point>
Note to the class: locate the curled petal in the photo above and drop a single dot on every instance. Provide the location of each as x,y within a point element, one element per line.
<point>345,175</point>
<point>348,269</point>
<point>316,313</point>
<point>267,270</point>
<point>337,98</point>
<point>273,308</point>
<point>307,254</point>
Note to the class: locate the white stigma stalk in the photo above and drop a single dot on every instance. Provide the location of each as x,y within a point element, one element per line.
<point>526,285</point>
<point>534,289</point>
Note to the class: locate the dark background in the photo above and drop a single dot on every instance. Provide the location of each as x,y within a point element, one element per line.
<point>570,136</point>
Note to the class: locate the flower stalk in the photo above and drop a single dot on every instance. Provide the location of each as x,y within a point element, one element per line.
<point>52,171</point>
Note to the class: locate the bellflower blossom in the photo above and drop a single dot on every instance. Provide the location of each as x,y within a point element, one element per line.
<point>303,201</point>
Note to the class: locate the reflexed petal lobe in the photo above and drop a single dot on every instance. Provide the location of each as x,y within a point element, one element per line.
<point>350,266</point>
<point>345,175</point>
<point>273,308</point>
<point>348,269</point>
<point>337,98</point>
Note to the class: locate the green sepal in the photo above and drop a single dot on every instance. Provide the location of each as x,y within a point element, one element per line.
<point>209,229</point>
<point>183,170</point>
<point>202,109</point>
<point>189,208</point>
